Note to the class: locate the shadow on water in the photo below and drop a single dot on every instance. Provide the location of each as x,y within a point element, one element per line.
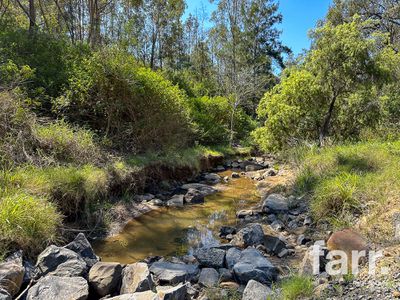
<point>178,231</point>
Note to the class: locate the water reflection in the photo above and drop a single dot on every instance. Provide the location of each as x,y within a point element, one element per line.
<point>178,231</point>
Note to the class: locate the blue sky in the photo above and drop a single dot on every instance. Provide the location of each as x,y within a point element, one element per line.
<point>299,16</point>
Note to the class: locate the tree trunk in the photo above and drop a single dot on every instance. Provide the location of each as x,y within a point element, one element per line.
<point>325,127</point>
<point>32,15</point>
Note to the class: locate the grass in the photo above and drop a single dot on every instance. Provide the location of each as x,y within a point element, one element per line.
<point>27,222</point>
<point>297,287</point>
<point>355,184</point>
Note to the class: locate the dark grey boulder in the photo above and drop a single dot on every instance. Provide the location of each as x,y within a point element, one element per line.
<point>173,273</point>
<point>225,275</point>
<point>253,265</point>
<point>61,261</point>
<point>56,287</point>
<point>251,235</point>
<point>232,257</point>
<point>212,178</point>
<point>194,196</point>
<point>210,257</point>
<point>104,277</point>
<point>178,292</point>
<point>209,277</point>
<point>274,244</point>
<point>253,167</point>
<point>256,291</point>
<point>275,203</point>
<point>202,188</point>
<point>82,246</point>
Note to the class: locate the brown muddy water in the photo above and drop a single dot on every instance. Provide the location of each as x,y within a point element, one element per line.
<point>179,231</point>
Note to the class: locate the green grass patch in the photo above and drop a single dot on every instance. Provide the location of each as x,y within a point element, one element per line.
<point>353,183</point>
<point>27,222</point>
<point>297,287</point>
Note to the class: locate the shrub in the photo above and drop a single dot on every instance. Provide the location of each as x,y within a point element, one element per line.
<point>66,144</point>
<point>27,222</point>
<point>134,106</point>
<point>297,287</point>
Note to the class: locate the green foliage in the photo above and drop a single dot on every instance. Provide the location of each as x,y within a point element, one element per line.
<point>297,287</point>
<point>27,222</point>
<point>136,107</point>
<point>335,90</point>
<point>353,180</point>
<point>212,116</point>
<point>59,141</point>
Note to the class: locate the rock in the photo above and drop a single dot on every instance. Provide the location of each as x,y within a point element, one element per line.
<point>212,178</point>
<point>194,196</point>
<point>62,262</point>
<point>148,295</point>
<point>235,175</point>
<point>307,221</point>
<point>145,197</point>
<point>251,235</point>
<point>241,214</point>
<point>253,167</point>
<point>231,285</point>
<point>220,168</point>
<point>302,240</point>
<point>209,277</point>
<point>225,275</point>
<point>136,278</point>
<point>232,257</point>
<point>283,253</point>
<point>270,172</point>
<point>226,230</point>
<point>235,165</point>
<point>256,291</point>
<point>277,225</point>
<point>172,292</point>
<point>170,273</point>
<point>4,295</point>
<point>82,246</point>
<point>104,277</point>
<point>11,276</point>
<point>176,200</point>
<point>253,265</point>
<point>275,203</point>
<point>203,188</point>
<point>156,202</point>
<point>210,257</point>
<point>56,287</point>
<point>274,245</point>
<point>271,218</point>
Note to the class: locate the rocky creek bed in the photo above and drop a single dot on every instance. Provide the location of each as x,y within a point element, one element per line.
<point>267,242</point>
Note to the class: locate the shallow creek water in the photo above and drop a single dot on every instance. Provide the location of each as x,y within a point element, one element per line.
<point>178,231</point>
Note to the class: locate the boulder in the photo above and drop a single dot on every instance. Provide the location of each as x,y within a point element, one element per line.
<point>148,295</point>
<point>4,295</point>
<point>241,214</point>
<point>56,287</point>
<point>176,200</point>
<point>172,292</point>
<point>11,276</point>
<point>274,245</point>
<point>225,275</point>
<point>104,277</point>
<point>256,291</point>
<point>253,265</point>
<point>82,246</point>
<point>202,188</point>
<point>235,175</point>
<point>136,278</point>
<point>62,262</point>
<point>209,277</point>
<point>275,203</point>
<point>145,197</point>
<point>253,167</point>
<point>225,230</point>
<point>173,273</point>
<point>232,257</point>
<point>210,257</point>
<point>212,178</point>
<point>251,235</point>
<point>194,196</point>
<point>277,225</point>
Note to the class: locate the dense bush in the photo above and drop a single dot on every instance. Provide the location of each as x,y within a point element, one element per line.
<point>212,116</point>
<point>135,107</point>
